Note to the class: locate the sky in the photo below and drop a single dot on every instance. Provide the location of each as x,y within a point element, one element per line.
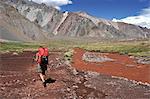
<point>129,11</point>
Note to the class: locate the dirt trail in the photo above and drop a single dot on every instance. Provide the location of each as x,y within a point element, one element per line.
<point>122,66</point>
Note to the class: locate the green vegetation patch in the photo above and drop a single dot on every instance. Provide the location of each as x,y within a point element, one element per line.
<point>136,48</point>
<point>68,55</point>
<point>130,48</point>
<point>17,46</point>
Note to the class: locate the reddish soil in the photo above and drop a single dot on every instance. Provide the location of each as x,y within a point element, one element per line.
<point>123,66</point>
<point>19,80</point>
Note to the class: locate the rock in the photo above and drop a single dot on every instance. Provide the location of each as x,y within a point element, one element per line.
<point>3,88</point>
<point>29,95</point>
<point>15,53</point>
<point>57,59</point>
<point>130,65</point>
<point>93,74</point>
<point>131,57</point>
<point>92,57</point>
<point>17,81</point>
<point>77,80</point>
<point>7,51</point>
<point>26,80</point>
<point>74,71</point>
<point>33,80</point>
<point>68,89</point>
<point>75,86</point>
<point>143,60</point>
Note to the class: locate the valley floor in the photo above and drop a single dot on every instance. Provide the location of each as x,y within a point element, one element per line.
<point>19,80</point>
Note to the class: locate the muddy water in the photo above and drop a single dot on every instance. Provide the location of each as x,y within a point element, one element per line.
<point>122,66</point>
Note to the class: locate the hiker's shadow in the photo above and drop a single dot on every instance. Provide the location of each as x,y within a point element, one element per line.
<point>50,80</point>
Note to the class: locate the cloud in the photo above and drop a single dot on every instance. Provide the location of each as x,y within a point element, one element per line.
<point>54,3</point>
<point>143,19</point>
<point>143,0</point>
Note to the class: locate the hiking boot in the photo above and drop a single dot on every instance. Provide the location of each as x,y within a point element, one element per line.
<point>44,84</point>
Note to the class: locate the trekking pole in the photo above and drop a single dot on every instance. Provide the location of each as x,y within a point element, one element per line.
<point>33,60</point>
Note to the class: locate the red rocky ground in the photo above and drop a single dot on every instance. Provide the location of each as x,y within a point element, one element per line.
<point>19,80</point>
<point>121,66</point>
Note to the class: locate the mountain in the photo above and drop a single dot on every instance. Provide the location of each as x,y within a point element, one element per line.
<point>28,21</point>
<point>14,26</point>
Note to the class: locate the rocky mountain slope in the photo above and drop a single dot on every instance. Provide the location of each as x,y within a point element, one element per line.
<point>48,22</point>
<point>13,26</point>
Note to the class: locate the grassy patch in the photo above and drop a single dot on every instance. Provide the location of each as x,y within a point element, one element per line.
<point>130,48</point>
<point>68,55</point>
<point>136,48</point>
<point>16,46</point>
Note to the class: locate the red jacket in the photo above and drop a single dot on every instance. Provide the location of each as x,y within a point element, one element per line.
<point>41,51</point>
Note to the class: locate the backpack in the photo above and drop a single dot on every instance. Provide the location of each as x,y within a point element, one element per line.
<point>44,55</point>
<point>44,60</point>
